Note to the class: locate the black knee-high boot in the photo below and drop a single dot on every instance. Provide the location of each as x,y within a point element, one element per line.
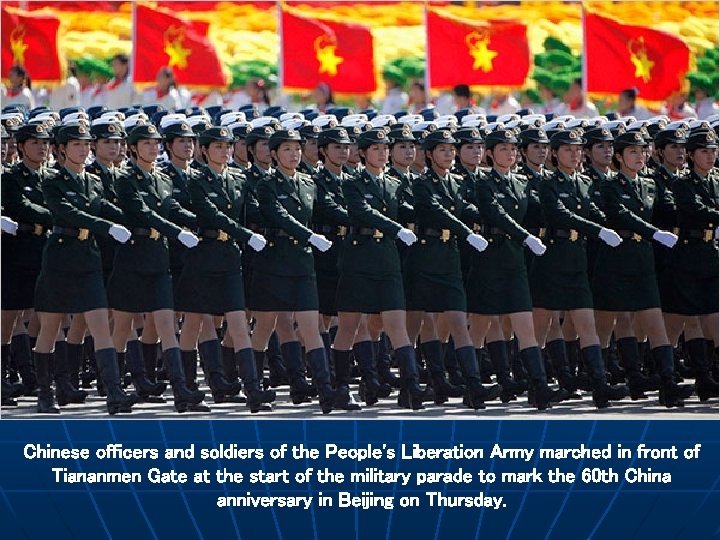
<point>602,392</point>
<point>638,383</point>
<point>412,394</point>
<point>117,401</point>
<point>65,392</point>
<point>535,365</point>
<point>300,390</point>
<point>185,399</point>
<point>21,351</point>
<point>256,397</point>
<point>370,386</point>
<point>276,364</point>
<point>705,384</point>
<point>44,370</point>
<point>344,399</point>
<point>497,351</point>
<point>475,393</point>
<point>671,393</point>
<point>222,390</point>
<point>9,390</point>
<point>433,351</point>
<point>321,378</point>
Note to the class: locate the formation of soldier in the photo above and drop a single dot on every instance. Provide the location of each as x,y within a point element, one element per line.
<point>431,257</point>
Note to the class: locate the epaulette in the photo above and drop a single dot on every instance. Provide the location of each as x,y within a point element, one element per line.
<point>305,178</point>
<point>457,177</point>
<point>92,176</point>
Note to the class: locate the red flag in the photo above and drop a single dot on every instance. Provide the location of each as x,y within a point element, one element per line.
<point>31,41</point>
<point>489,53</point>
<point>338,54</point>
<point>621,56</point>
<point>162,39</point>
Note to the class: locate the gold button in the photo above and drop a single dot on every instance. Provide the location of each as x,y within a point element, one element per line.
<point>159,204</point>
<point>384,209</point>
<point>579,206</point>
<point>452,208</point>
<point>132,242</point>
<point>229,206</point>
<point>517,206</point>
<point>355,242</point>
<point>60,240</point>
<point>87,204</point>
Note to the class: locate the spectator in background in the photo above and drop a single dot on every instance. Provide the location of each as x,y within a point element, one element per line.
<point>705,92</point>
<point>20,90</point>
<point>503,103</point>
<point>417,98</point>
<point>628,107</point>
<point>165,92</point>
<point>119,92</point>
<point>677,107</point>
<point>68,93</point>
<point>575,102</point>
<point>323,97</point>
<point>395,99</point>
<point>461,96</point>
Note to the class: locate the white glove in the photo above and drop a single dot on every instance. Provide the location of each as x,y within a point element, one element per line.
<point>535,245</point>
<point>665,238</point>
<point>187,239</point>
<point>257,242</point>
<point>407,236</point>
<point>610,237</point>
<point>320,242</point>
<point>119,233</point>
<point>8,225</point>
<point>477,241</point>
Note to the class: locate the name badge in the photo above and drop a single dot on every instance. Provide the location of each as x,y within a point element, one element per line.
<point>626,196</point>
<point>144,193</point>
<point>71,193</point>
<point>564,194</point>
<point>213,194</point>
<point>28,188</point>
<point>500,195</point>
<point>368,196</point>
<point>282,196</point>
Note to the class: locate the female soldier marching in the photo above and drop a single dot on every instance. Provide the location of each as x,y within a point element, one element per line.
<point>433,276</point>
<point>71,280</point>
<point>624,278</point>
<point>140,281</point>
<point>694,261</point>
<point>559,279</point>
<point>284,281</point>
<point>211,281</point>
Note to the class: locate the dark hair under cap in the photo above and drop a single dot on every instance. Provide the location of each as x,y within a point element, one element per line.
<point>72,132</point>
<point>533,135</point>
<point>178,129</point>
<point>629,138</point>
<point>598,135</point>
<point>670,136</point>
<point>259,133</point>
<point>701,139</point>
<point>283,135</point>
<point>566,136</point>
<point>142,131</point>
<point>337,135</point>
<point>215,134</point>
<point>31,131</point>
<point>401,133</point>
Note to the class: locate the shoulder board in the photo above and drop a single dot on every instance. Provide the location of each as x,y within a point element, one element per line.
<point>392,178</point>
<point>305,177</point>
<point>457,177</point>
<point>92,176</point>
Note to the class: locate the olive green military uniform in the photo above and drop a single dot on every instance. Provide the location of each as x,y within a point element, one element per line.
<point>330,218</point>
<point>370,275</point>
<point>534,220</point>
<point>433,275</point>
<point>406,209</point>
<point>693,262</point>
<point>592,246</point>
<point>180,192</point>
<point>254,221</point>
<point>106,244</point>
<point>211,280</point>
<point>140,281</point>
<point>498,282</point>
<point>71,280</point>
<point>559,279</point>
<point>23,201</point>
<point>664,217</point>
<point>467,188</point>
<point>284,272</point>
<point>624,277</point>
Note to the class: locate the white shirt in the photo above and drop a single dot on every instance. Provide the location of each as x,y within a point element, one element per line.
<point>171,100</point>
<point>706,107</point>
<point>116,97</point>
<point>588,110</point>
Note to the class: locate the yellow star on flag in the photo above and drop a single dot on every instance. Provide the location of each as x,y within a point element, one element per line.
<point>177,54</point>
<point>18,45</point>
<point>478,48</point>
<point>643,65</point>
<point>326,56</point>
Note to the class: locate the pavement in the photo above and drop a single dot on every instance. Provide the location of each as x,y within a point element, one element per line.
<point>386,409</point>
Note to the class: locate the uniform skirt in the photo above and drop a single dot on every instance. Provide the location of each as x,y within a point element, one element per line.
<point>140,281</point>
<point>690,287</point>
<point>21,262</point>
<point>497,283</point>
<point>326,269</point>
<point>559,279</point>
<point>211,280</point>
<point>360,292</point>
<point>433,277</point>
<point>271,292</point>
<point>624,278</point>
<point>71,279</point>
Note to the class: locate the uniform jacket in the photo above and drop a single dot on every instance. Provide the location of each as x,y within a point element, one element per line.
<point>502,202</point>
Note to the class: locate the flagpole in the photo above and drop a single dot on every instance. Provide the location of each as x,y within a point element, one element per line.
<point>428,89</point>
<point>281,89</point>
<point>133,44</point>
<point>584,52</point>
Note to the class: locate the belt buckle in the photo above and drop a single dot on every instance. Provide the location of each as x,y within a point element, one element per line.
<point>445,235</point>
<point>377,233</point>
<point>676,231</point>
<point>541,232</point>
<point>476,227</point>
<point>222,236</point>
<point>341,230</point>
<point>411,226</point>
<point>708,235</point>
<point>154,234</point>
<point>83,234</point>
<point>636,237</point>
<point>37,229</point>
<point>573,235</point>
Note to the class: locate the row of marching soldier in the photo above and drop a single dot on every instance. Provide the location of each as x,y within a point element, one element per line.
<point>401,253</point>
